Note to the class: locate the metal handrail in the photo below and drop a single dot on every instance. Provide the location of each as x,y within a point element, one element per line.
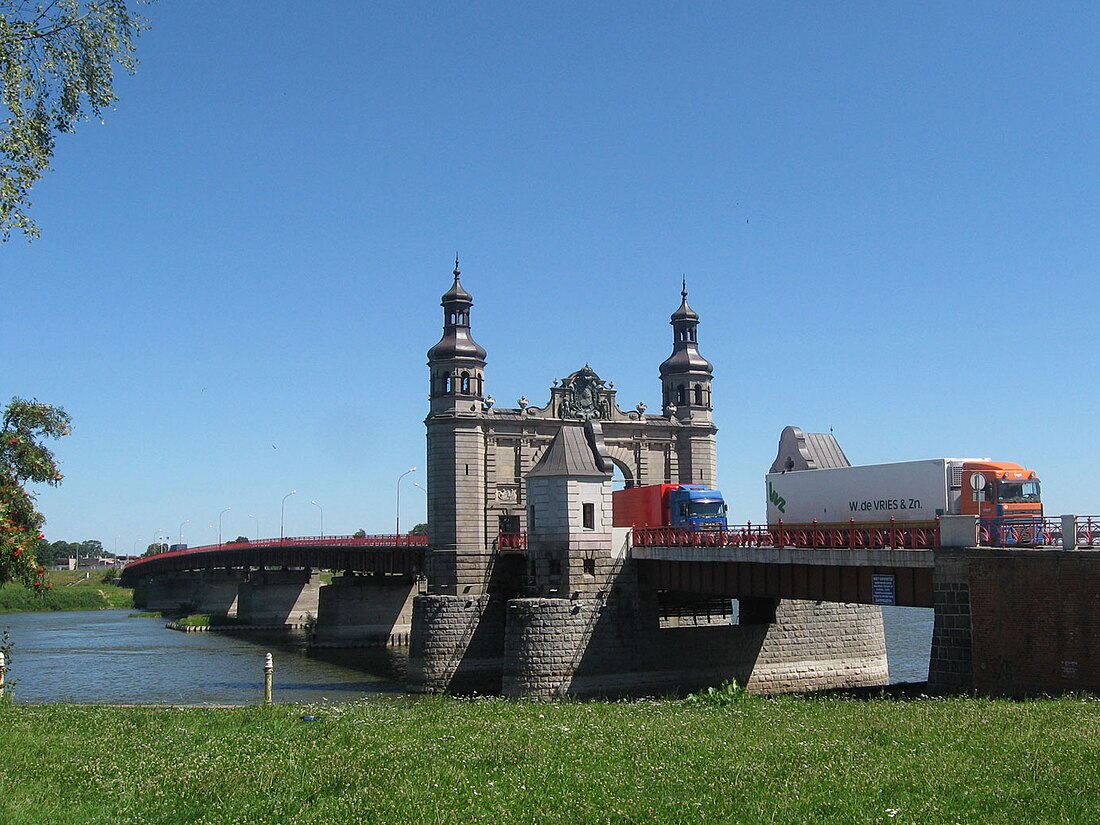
<point>335,542</point>
<point>884,535</point>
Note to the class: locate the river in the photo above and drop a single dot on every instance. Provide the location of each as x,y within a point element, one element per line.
<point>110,657</point>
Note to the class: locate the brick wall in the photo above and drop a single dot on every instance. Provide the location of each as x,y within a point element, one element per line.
<point>950,666</point>
<point>1016,622</point>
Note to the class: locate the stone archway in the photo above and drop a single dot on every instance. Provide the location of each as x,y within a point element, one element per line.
<point>624,461</point>
<point>647,448</point>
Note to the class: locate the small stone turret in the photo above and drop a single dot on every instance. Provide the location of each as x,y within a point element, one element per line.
<point>569,511</point>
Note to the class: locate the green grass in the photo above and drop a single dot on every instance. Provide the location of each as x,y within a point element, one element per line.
<point>70,591</point>
<point>472,761</point>
<point>205,620</point>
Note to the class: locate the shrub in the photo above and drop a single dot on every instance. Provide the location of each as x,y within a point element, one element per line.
<point>725,694</point>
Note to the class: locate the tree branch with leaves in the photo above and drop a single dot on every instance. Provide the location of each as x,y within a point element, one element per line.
<point>24,459</point>
<point>57,65</point>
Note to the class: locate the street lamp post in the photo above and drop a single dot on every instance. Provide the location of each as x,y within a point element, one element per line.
<point>257,524</point>
<point>282,512</point>
<point>322,509</point>
<point>186,521</point>
<point>222,513</point>
<point>410,470</point>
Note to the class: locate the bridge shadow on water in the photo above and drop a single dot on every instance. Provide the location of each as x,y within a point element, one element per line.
<point>383,669</point>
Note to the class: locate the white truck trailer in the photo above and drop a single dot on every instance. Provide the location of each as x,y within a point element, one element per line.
<point>907,491</point>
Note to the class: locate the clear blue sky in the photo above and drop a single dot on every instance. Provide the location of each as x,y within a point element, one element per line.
<point>887,215</point>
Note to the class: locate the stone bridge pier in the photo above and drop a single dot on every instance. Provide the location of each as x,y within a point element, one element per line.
<point>277,597</point>
<point>365,610</point>
<point>191,591</point>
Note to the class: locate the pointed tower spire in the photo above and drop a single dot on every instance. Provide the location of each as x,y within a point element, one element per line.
<point>457,362</point>
<point>685,375</point>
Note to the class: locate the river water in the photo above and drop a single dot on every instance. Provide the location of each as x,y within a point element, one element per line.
<point>109,657</point>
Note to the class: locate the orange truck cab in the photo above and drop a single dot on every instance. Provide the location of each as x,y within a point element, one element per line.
<point>1005,497</point>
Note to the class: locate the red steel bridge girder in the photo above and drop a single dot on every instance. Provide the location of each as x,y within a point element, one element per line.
<point>370,554</point>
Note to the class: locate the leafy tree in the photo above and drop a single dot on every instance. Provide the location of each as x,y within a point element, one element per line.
<point>23,459</point>
<point>153,549</point>
<point>238,540</point>
<point>419,530</point>
<point>57,62</point>
<point>359,534</point>
<point>49,554</point>
<point>93,547</point>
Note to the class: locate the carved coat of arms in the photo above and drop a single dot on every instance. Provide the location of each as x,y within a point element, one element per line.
<point>584,397</point>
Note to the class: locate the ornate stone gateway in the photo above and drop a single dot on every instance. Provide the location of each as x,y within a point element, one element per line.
<point>647,449</point>
<point>572,615</point>
<point>479,454</point>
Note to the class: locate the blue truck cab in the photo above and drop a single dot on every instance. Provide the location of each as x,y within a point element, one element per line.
<point>697,507</point>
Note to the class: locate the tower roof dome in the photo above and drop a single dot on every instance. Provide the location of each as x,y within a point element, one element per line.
<point>456,343</point>
<point>685,358</point>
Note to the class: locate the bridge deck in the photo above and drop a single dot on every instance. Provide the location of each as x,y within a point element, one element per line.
<point>373,554</point>
<point>854,576</point>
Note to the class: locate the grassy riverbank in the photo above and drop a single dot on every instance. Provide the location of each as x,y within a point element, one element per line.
<point>70,591</point>
<point>446,760</point>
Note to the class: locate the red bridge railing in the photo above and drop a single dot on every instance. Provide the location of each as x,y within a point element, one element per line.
<point>277,551</point>
<point>511,541</point>
<point>1046,532</point>
<point>1088,531</point>
<point>814,536</point>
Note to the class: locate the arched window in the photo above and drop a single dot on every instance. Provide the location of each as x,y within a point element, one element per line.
<point>465,383</point>
<point>698,395</point>
<point>681,395</point>
<point>447,385</point>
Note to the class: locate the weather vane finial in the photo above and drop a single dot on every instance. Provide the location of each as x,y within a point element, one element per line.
<point>684,290</point>
<point>457,272</point>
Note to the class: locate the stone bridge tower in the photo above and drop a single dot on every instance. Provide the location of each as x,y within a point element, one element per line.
<point>685,395</point>
<point>456,447</point>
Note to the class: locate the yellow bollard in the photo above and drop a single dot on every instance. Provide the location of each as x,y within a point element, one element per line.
<point>269,668</point>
